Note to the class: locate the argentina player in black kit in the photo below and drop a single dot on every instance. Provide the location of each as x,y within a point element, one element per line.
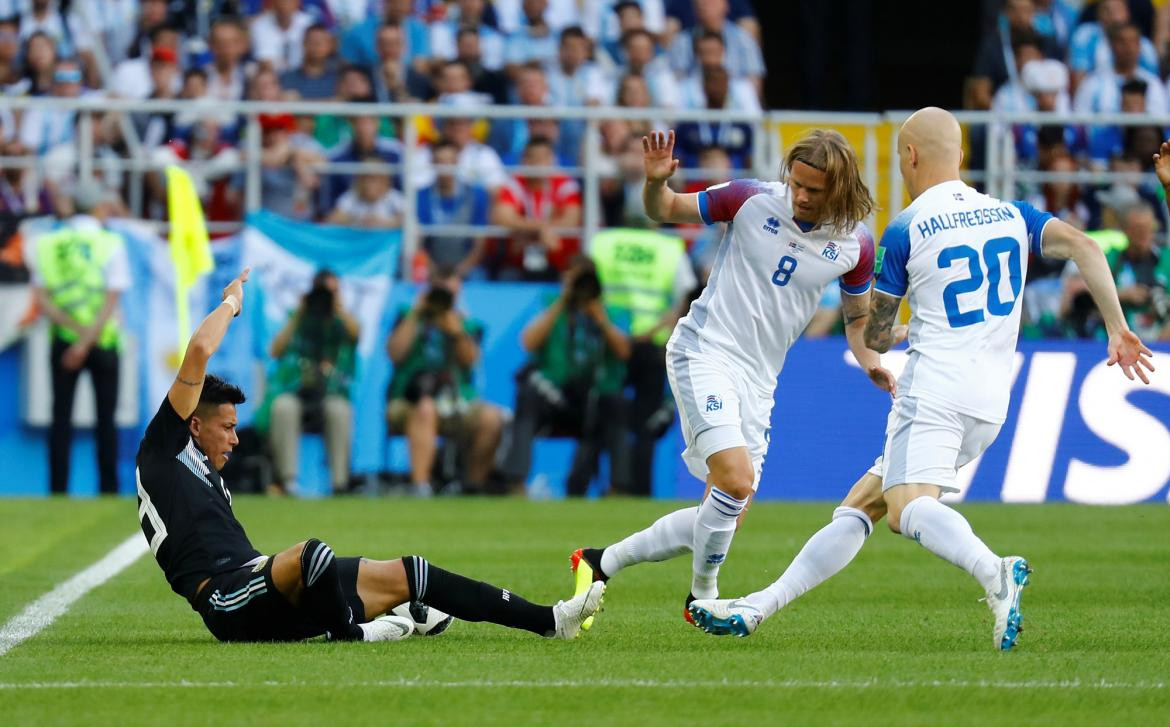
<point>304,591</point>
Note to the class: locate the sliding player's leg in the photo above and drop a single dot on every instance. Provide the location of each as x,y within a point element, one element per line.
<point>825,554</point>
<point>923,453</point>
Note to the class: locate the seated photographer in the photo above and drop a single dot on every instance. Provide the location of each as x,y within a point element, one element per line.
<point>315,354</point>
<point>434,349</point>
<point>573,384</point>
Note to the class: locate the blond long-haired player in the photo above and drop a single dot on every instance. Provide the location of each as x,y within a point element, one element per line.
<point>788,240</point>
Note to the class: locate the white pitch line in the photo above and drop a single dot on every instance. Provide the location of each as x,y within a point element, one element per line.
<point>1071,684</point>
<point>45,610</point>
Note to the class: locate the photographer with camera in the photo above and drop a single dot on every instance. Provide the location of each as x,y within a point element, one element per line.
<point>315,354</point>
<point>573,383</point>
<point>435,349</point>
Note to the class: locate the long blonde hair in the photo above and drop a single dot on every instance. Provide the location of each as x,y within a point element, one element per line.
<point>848,200</point>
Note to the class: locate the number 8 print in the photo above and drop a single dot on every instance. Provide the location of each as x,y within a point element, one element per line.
<point>784,270</point>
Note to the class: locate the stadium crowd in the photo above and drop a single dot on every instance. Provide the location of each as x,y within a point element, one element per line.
<point>1036,55</point>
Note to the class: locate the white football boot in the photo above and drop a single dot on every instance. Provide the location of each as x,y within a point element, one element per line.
<point>725,616</point>
<point>570,614</point>
<point>1005,602</point>
<point>387,628</point>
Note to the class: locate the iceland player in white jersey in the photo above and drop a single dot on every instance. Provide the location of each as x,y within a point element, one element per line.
<point>787,241</point>
<point>962,257</point>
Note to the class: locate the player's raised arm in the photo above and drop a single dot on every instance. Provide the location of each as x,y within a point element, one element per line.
<point>1062,240</point>
<point>184,393</point>
<point>662,203</point>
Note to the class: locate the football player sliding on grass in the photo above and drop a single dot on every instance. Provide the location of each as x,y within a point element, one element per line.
<point>963,258</point>
<point>304,591</point>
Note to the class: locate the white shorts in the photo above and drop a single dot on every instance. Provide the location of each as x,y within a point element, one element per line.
<point>718,410</point>
<point>926,444</point>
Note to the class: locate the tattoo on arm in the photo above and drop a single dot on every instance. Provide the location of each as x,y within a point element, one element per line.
<point>184,382</point>
<point>883,309</point>
<point>854,307</point>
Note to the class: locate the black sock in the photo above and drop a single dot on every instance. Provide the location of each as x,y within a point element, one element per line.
<point>593,555</point>
<point>323,597</point>
<point>471,600</point>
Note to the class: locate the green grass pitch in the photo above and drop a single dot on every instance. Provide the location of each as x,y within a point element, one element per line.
<point>898,638</point>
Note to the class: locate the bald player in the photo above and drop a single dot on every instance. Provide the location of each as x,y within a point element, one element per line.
<point>962,257</point>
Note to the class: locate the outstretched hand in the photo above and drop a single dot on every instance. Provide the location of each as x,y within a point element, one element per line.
<point>883,379</point>
<point>658,156</point>
<point>1162,164</point>
<point>236,287</point>
<point>1127,351</point>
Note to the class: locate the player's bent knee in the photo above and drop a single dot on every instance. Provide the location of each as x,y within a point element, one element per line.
<point>316,559</point>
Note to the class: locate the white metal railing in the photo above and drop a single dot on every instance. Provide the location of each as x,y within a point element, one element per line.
<point>999,177</point>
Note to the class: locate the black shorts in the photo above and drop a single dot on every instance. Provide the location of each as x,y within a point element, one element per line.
<point>244,605</point>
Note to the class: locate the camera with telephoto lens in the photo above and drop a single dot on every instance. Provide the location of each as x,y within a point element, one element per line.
<point>584,289</point>
<point>436,303</point>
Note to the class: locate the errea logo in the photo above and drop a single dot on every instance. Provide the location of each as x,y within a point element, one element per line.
<point>772,225</point>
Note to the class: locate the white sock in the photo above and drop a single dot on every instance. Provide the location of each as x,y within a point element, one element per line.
<point>669,537</point>
<point>947,534</point>
<point>825,554</point>
<point>714,529</point>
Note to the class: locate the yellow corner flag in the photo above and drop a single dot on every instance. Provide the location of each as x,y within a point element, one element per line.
<point>190,249</point>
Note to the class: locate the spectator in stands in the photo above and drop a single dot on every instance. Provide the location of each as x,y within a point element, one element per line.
<point>642,59</point>
<point>710,53</point>
<point>734,137</point>
<point>1101,92</point>
<point>365,141</point>
<point>132,77</point>
<point>743,56</point>
<point>79,274</point>
<point>1043,86</point>
<point>226,75</point>
<point>40,60</point>
<point>152,14</point>
<point>354,85</point>
<point>1015,94</point>
<point>511,135</point>
<point>60,164</point>
<point>287,178</point>
<point>70,37</point>
<point>359,44</point>
<point>205,139</point>
<point>10,71</point>
<point>309,388</point>
<point>633,93</point>
<point>478,163</point>
<point>450,201</point>
<point>278,35</point>
<point>535,208</point>
<point>573,384</point>
<point>111,24</point>
<point>435,349</point>
<point>1062,198</point>
<point>371,202</point>
<point>470,13</point>
<point>1044,290</point>
<point>42,129</point>
<point>1107,142</point>
<point>608,30</point>
<point>490,82</point>
<point>316,77</point>
<point>1090,49</point>
<point>680,15</point>
<point>574,81</point>
<point>533,41</point>
<point>395,80</point>
<point>621,187</point>
<point>155,128</point>
<point>1141,272</point>
<point>1014,26</point>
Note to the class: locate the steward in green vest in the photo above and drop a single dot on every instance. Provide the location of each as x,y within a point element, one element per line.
<point>79,272</point>
<point>648,276</point>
